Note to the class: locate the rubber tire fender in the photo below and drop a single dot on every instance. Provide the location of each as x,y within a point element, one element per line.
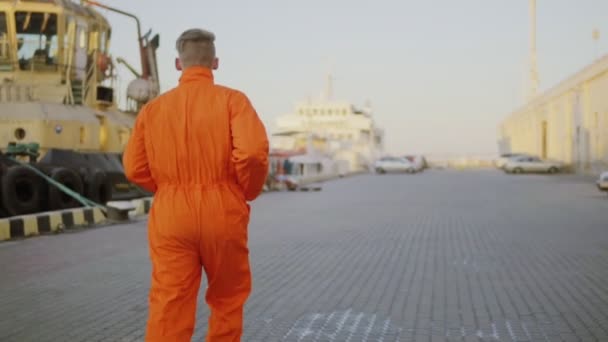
<point>3,212</point>
<point>22,191</point>
<point>98,187</point>
<point>59,200</point>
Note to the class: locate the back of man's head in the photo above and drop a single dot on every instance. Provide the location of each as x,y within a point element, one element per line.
<point>196,47</point>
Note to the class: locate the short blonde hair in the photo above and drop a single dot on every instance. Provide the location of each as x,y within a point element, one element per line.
<point>196,47</point>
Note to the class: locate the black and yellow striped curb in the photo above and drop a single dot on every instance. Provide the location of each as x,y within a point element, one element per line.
<point>49,222</point>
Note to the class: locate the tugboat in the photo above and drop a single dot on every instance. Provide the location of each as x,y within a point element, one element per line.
<point>58,107</point>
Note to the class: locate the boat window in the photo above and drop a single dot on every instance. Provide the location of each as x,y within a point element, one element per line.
<point>82,38</point>
<point>37,40</point>
<point>5,56</point>
<point>69,21</point>
<point>93,42</point>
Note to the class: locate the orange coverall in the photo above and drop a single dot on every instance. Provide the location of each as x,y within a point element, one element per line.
<point>203,151</point>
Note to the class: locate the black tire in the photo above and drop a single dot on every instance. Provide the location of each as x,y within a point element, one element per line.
<point>518,170</point>
<point>380,171</point>
<point>2,210</point>
<point>553,170</point>
<point>22,191</point>
<point>97,187</point>
<point>59,200</point>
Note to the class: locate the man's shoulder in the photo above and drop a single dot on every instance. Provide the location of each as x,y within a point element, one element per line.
<point>238,99</point>
<point>229,91</point>
<point>167,95</point>
<point>154,103</point>
<point>231,94</point>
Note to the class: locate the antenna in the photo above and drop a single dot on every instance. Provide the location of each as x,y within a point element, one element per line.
<point>328,92</point>
<point>596,38</point>
<point>329,87</point>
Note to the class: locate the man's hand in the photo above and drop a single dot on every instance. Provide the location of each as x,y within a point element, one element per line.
<point>135,159</point>
<point>250,146</point>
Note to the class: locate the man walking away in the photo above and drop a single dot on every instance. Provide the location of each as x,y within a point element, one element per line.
<point>203,151</point>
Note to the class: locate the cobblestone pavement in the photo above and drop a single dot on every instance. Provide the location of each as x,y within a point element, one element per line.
<point>440,256</point>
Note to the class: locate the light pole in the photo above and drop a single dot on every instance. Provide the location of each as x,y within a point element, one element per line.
<point>534,79</point>
<point>596,38</point>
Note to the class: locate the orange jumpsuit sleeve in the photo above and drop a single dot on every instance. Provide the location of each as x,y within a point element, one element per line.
<point>135,158</point>
<point>250,146</point>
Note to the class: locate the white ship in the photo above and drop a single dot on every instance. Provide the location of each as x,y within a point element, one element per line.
<point>328,129</point>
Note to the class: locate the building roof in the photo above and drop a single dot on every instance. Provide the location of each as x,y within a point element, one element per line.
<point>600,66</point>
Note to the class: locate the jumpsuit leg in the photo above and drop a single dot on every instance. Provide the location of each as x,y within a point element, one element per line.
<point>176,277</point>
<point>225,257</point>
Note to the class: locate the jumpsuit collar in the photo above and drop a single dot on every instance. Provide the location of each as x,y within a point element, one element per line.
<point>196,73</point>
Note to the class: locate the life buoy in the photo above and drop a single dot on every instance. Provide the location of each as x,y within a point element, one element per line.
<point>103,62</point>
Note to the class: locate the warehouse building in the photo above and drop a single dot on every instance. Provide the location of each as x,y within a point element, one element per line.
<point>568,123</point>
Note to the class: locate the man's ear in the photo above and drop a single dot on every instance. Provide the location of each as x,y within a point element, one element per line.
<point>216,63</point>
<point>178,64</point>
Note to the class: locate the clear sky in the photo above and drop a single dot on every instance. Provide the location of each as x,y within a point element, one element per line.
<point>440,75</point>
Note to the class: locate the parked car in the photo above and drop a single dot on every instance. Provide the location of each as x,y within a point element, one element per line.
<point>527,164</point>
<point>392,164</point>
<point>602,182</point>
<point>504,158</point>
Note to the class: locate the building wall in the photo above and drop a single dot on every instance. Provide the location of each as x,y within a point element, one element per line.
<point>568,123</point>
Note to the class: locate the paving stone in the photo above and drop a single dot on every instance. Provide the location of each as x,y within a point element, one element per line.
<point>440,256</point>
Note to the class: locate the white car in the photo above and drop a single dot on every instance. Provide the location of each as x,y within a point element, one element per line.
<point>391,164</point>
<point>504,159</point>
<point>531,165</point>
<point>602,182</point>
